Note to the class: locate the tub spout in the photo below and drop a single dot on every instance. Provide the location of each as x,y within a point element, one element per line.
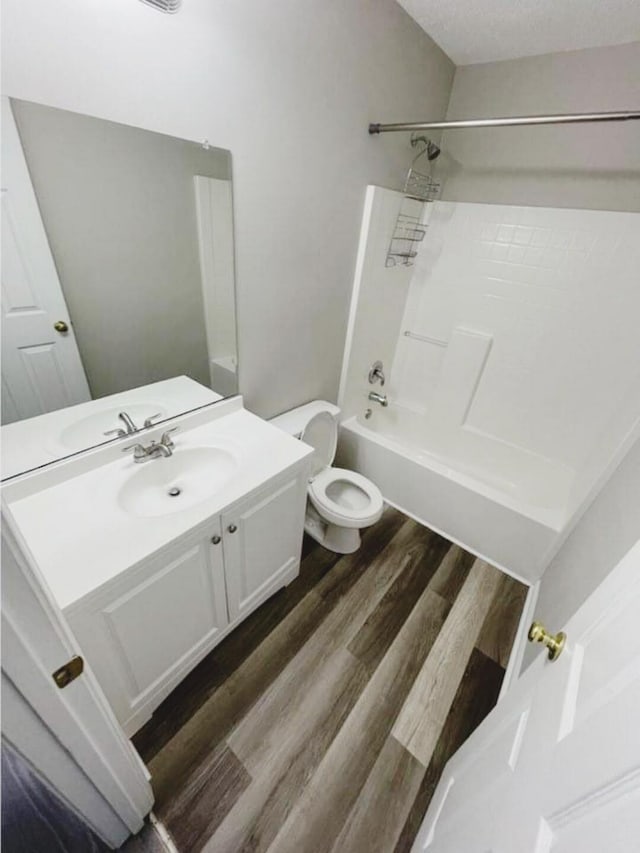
<point>378,398</point>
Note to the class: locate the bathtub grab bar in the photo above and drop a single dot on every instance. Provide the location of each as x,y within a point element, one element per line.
<point>425,338</point>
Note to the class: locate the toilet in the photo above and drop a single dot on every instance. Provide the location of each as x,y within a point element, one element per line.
<point>340,502</point>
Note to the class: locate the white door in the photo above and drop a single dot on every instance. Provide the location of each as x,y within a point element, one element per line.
<point>41,367</point>
<point>68,734</point>
<point>556,765</point>
<point>261,538</point>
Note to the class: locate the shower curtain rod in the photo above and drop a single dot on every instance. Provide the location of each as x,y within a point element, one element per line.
<point>513,121</point>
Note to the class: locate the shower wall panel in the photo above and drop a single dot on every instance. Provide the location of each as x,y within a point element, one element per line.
<point>557,293</point>
<point>377,302</point>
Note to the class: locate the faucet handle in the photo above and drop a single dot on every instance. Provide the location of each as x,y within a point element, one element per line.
<point>166,438</point>
<point>139,452</point>
<point>376,373</point>
<point>119,432</point>
<point>149,421</point>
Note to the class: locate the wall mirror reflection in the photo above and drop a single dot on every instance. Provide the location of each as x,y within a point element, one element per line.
<point>117,274</point>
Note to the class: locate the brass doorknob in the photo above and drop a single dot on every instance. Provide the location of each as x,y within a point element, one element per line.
<point>538,634</point>
<point>61,326</point>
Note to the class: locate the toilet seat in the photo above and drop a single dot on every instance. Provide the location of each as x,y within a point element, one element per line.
<point>337,512</point>
<point>321,433</point>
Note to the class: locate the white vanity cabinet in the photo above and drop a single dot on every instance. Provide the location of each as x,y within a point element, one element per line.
<point>145,630</point>
<point>154,563</point>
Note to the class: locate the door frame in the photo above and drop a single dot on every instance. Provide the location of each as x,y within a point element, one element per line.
<point>70,736</point>
<point>520,642</point>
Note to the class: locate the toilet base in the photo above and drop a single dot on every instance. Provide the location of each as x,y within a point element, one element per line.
<point>340,540</point>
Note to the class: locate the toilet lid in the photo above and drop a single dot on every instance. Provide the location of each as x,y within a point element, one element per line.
<point>321,433</point>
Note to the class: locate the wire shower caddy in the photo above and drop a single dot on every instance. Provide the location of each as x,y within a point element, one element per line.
<point>410,230</point>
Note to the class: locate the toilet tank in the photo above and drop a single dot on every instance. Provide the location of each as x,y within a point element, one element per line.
<point>295,420</point>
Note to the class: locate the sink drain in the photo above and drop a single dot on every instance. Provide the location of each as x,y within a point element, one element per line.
<point>174,492</point>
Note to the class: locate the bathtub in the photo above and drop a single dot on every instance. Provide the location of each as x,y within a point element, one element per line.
<point>500,502</point>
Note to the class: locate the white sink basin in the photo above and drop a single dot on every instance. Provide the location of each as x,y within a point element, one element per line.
<point>166,485</point>
<point>90,429</point>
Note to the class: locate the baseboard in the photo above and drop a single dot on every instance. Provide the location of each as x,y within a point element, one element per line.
<point>162,833</point>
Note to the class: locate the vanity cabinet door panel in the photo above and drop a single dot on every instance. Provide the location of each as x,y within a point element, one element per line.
<point>142,640</point>
<point>262,543</point>
<point>163,620</point>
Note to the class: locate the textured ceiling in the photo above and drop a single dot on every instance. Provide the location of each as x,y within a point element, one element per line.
<point>488,30</point>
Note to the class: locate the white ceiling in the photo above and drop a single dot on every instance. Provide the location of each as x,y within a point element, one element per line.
<point>488,30</point>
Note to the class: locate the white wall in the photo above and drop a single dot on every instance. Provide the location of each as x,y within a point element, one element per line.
<point>586,166</point>
<point>289,87</point>
<point>604,534</point>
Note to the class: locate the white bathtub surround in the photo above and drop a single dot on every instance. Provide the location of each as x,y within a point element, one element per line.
<point>463,364</point>
<point>512,375</point>
<point>378,299</point>
<point>557,291</point>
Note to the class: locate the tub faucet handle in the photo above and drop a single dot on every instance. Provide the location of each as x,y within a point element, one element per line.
<point>376,373</point>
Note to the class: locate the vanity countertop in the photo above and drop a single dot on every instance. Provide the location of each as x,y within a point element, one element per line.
<point>80,532</point>
<point>37,441</point>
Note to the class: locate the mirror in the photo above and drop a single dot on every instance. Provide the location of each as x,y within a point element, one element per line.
<point>117,271</point>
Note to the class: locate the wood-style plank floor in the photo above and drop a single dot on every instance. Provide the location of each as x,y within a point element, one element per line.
<point>323,723</point>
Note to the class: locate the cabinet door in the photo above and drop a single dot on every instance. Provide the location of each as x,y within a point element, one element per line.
<point>142,639</point>
<point>262,543</point>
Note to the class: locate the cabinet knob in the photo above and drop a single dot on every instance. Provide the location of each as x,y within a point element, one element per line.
<point>232,528</point>
<point>216,540</point>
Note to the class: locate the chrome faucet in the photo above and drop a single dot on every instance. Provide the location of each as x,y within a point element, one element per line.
<point>164,447</point>
<point>130,425</point>
<point>126,420</point>
<point>379,398</point>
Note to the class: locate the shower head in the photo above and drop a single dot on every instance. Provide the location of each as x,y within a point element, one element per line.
<point>168,6</point>
<point>430,148</point>
<point>433,150</point>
